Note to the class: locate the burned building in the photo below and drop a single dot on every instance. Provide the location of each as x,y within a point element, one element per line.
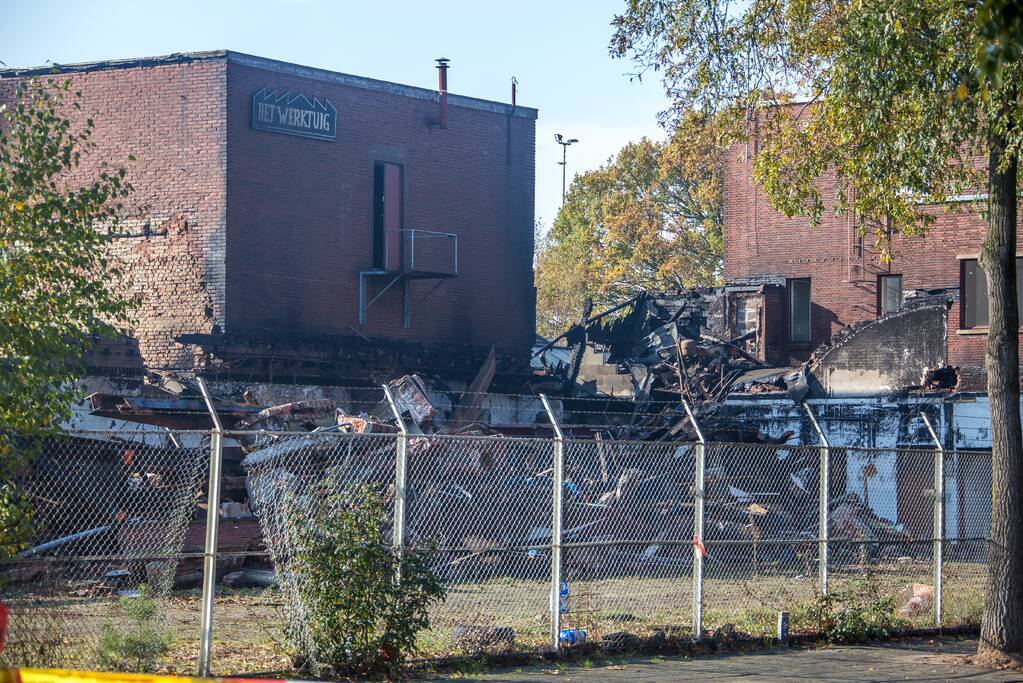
<point>294,224</point>
<point>831,276</point>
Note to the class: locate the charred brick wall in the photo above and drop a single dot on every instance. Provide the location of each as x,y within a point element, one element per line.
<point>249,236</point>
<point>300,224</point>
<point>883,356</point>
<point>171,118</point>
<point>843,267</point>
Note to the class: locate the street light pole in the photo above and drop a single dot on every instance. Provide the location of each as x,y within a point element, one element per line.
<point>564,161</point>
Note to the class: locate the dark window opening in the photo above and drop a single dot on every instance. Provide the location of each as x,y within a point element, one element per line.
<point>378,215</point>
<point>889,293</point>
<point>799,310</point>
<point>973,293</point>
<point>387,220</point>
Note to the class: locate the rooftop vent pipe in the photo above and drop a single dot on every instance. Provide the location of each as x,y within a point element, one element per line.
<point>442,90</point>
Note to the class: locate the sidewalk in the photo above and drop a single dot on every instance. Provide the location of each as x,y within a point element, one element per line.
<point>913,660</point>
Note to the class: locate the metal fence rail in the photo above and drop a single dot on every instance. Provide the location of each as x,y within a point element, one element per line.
<point>109,515</point>
<point>537,540</point>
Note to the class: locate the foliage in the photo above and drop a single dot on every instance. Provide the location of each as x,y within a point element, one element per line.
<point>362,603</point>
<point>897,104</point>
<point>857,612</point>
<point>16,520</point>
<point>1001,36</point>
<point>138,644</point>
<point>649,218</point>
<point>883,97</point>
<point>565,277</point>
<point>54,296</point>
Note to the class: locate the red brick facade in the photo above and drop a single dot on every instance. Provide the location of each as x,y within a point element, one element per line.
<point>843,268</point>
<point>171,117</point>
<point>255,236</point>
<point>300,216</point>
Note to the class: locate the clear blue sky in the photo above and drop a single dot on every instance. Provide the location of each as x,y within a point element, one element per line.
<point>557,50</point>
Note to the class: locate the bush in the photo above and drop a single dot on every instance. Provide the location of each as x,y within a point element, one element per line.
<point>362,603</point>
<point>858,612</point>
<point>17,520</point>
<point>137,645</point>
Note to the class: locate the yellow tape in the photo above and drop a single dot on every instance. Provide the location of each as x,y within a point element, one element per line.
<point>68,676</point>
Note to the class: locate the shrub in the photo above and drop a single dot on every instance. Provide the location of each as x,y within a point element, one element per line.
<point>362,603</point>
<point>17,520</point>
<point>136,645</point>
<point>857,612</point>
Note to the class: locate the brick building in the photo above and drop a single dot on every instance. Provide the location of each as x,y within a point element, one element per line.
<point>292,223</point>
<point>818,281</point>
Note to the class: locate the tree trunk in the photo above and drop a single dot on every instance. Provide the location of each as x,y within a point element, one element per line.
<point>1002,625</point>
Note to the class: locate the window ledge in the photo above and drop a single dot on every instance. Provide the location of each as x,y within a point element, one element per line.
<point>972,331</point>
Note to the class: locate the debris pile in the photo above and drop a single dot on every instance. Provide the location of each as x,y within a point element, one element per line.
<point>485,503</point>
<point>649,352</point>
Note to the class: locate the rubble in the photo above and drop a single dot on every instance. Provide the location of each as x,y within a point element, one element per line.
<point>302,415</point>
<point>849,518</point>
<point>657,348</point>
<point>251,578</point>
<point>489,497</point>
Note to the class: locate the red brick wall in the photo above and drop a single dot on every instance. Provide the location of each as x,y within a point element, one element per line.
<point>760,241</point>
<point>172,119</point>
<point>300,216</point>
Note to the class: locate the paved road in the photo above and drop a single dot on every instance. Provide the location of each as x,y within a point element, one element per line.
<point>915,660</point>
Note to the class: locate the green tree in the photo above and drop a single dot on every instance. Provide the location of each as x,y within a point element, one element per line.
<point>362,603</point>
<point>650,218</point>
<point>896,102</point>
<point>55,295</point>
<point>1001,29</point>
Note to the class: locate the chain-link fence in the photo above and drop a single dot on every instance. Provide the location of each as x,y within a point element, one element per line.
<point>658,540</point>
<point>108,515</point>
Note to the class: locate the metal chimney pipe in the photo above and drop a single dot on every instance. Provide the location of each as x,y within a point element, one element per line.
<point>442,89</point>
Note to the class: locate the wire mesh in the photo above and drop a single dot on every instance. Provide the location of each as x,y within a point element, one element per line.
<point>112,513</point>
<point>485,502</point>
<point>627,538</point>
<point>109,517</point>
<point>287,482</point>
<point>760,533</point>
<point>967,526</point>
<point>881,515</point>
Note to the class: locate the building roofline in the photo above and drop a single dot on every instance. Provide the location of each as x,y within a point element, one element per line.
<point>111,64</point>
<point>278,66</point>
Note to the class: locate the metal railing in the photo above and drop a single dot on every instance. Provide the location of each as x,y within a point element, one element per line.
<point>429,251</point>
<point>537,540</point>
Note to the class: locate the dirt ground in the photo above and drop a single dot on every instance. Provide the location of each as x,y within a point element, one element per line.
<point>908,660</point>
<point>248,636</point>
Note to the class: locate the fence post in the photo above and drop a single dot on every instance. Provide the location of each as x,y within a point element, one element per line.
<point>698,550</point>
<point>939,514</point>
<point>558,473</point>
<point>400,470</point>
<point>823,494</point>
<point>209,559</point>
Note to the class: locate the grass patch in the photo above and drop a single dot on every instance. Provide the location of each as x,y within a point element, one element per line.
<point>65,629</point>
